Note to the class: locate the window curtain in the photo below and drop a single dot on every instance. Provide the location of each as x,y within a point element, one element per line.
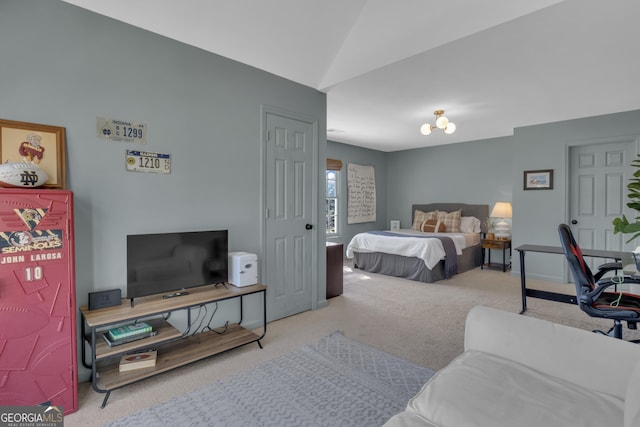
<point>334,164</point>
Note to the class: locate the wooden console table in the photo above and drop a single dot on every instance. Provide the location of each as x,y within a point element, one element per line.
<point>173,348</point>
<point>554,296</point>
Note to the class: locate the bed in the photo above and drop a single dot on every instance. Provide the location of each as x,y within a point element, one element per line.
<point>423,256</point>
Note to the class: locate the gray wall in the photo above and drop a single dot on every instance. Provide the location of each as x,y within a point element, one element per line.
<point>538,213</point>
<point>63,66</point>
<point>474,172</point>
<point>480,169</point>
<point>366,157</point>
<point>491,170</point>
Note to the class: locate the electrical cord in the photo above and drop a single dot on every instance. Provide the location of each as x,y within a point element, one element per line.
<point>199,320</point>
<point>187,331</point>
<point>223,331</point>
<point>212,329</point>
<point>211,318</point>
<point>199,328</point>
<point>618,280</point>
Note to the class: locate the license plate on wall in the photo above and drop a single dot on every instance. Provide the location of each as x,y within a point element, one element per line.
<point>142,161</point>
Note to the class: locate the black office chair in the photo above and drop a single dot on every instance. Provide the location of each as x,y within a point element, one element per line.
<point>599,298</point>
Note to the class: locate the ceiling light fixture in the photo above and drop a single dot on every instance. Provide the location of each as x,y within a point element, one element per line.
<point>441,123</point>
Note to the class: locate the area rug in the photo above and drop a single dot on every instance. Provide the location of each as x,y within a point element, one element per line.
<point>335,382</point>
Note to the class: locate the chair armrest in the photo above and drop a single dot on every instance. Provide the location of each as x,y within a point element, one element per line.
<point>605,268</point>
<point>590,360</point>
<point>622,279</point>
<point>605,284</point>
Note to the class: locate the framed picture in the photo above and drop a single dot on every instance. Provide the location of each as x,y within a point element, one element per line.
<point>538,180</point>
<point>42,145</point>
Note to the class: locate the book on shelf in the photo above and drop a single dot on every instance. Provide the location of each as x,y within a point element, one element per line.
<point>129,330</point>
<point>130,362</point>
<point>111,342</point>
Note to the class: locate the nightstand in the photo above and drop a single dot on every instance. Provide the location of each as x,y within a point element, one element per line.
<point>503,244</point>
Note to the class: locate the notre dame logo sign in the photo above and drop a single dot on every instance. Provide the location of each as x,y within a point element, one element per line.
<point>28,178</point>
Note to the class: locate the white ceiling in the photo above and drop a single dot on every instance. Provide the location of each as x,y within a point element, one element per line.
<point>387,65</point>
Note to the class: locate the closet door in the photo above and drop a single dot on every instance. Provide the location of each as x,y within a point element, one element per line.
<point>290,218</point>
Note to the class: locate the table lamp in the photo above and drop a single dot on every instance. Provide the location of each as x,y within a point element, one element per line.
<point>502,210</point>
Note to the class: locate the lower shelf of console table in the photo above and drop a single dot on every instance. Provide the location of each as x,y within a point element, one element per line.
<point>178,353</point>
<point>173,350</point>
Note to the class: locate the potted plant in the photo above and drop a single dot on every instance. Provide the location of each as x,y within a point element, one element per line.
<point>622,225</point>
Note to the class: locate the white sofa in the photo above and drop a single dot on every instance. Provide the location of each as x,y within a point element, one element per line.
<point>520,371</point>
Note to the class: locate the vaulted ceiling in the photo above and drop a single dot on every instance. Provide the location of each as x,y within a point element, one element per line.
<point>387,65</point>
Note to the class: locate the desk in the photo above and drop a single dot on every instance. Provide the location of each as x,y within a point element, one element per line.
<point>554,296</point>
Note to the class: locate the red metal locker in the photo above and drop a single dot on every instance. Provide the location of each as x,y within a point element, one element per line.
<point>38,357</point>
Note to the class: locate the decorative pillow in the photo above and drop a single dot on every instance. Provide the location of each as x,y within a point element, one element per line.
<point>433,226</point>
<point>469,224</point>
<point>420,217</point>
<point>451,220</point>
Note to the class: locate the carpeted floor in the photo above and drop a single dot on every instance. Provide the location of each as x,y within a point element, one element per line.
<point>418,322</point>
<point>336,382</point>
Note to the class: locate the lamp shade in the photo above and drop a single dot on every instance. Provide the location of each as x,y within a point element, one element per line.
<point>501,210</point>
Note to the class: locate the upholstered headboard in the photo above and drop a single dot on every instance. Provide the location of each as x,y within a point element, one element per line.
<point>479,211</point>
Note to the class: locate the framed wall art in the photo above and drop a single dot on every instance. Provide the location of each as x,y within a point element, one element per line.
<point>42,145</point>
<point>538,179</point>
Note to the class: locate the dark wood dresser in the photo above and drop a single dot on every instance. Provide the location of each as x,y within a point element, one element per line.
<point>334,269</point>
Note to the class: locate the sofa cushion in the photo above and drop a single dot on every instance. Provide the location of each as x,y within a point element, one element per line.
<point>479,389</point>
<point>408,419</point>
<point>632,400</point>
<point>557,350</point>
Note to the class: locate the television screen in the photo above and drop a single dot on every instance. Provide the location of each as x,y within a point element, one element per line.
<point>168,262</point>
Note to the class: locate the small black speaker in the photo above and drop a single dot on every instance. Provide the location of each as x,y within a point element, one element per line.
<point>104,299</point>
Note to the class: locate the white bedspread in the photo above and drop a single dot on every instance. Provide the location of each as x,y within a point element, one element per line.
<point>430,251</point>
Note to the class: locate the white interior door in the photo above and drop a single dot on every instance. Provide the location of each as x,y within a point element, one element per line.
<point>290,232</point>
<point>599,174</point>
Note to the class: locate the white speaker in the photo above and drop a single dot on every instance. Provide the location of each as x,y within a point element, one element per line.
<point>243,268</point>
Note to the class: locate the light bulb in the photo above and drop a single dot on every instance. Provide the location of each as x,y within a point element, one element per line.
<point>425,129</point>
<point>451,128</point>
<point>442,122</point>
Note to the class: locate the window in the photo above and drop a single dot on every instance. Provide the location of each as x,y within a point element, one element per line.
<point>331,208</point>
<point>332,202</point>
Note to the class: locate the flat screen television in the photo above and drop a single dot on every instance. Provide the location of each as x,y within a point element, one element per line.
<point>169,262</point>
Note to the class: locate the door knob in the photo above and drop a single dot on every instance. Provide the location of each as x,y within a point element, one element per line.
<point>574,222</point>
<point>308,226</point>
